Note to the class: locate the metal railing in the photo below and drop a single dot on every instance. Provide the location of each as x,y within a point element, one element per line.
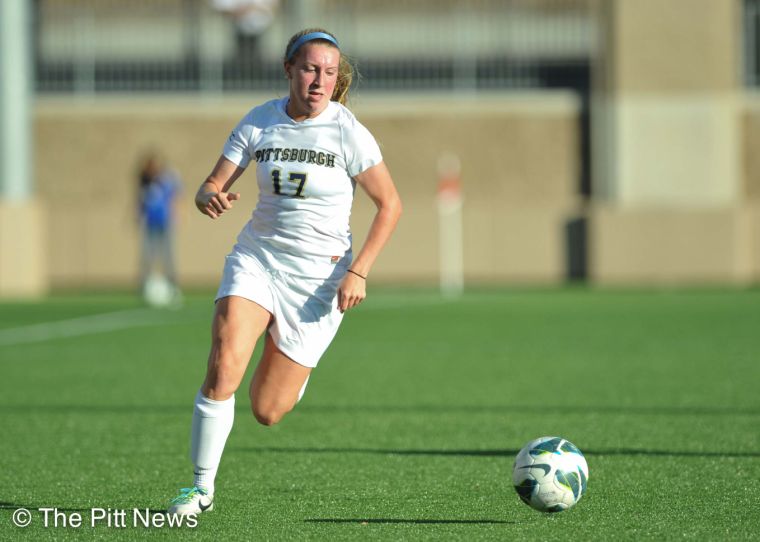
<point>100,46</point>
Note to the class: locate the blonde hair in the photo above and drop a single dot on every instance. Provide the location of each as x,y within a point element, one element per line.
<point>346,68</point>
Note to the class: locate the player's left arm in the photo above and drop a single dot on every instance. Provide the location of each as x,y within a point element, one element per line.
<point>378,185</point>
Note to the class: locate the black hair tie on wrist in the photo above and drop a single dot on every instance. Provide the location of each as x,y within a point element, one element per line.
<point>357,274</point>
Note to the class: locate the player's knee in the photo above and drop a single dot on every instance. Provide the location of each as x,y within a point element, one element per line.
<point>268,414</point>
<point>267,417</point>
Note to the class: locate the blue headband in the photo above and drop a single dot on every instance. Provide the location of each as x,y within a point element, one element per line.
<point>309,37</point>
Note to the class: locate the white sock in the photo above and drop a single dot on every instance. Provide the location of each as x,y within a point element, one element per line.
<point>212,423</point>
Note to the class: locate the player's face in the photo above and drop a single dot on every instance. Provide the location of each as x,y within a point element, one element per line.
<point>313,73</point>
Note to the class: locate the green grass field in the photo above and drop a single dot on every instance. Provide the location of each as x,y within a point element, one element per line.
<point>410,424</point>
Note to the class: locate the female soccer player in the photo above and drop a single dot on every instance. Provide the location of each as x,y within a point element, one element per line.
<point>291,272</point>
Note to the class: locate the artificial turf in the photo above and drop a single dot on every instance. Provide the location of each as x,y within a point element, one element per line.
<point>410,424</point>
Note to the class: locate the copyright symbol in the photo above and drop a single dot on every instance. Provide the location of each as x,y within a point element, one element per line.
<point>22,517</point>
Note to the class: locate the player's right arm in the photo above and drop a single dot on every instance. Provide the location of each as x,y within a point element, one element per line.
<point>213,197</point>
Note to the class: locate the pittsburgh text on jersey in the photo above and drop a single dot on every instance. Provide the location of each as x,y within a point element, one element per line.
<point>295,155</point>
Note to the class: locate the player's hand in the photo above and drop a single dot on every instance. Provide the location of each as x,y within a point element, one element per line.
<point>351,292</point>
<point>214,204</point>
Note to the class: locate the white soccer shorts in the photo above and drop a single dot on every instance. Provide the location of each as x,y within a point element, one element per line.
<point>305,310</point>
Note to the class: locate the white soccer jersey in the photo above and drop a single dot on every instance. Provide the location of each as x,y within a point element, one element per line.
<point>305,175</point>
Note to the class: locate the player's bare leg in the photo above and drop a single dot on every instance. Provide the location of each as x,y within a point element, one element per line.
<point>277,384</point>
<point>237,325</point>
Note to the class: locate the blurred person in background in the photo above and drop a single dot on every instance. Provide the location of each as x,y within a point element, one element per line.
<point>292,274</point>
<point>158,190</point>
<point>251,18</point>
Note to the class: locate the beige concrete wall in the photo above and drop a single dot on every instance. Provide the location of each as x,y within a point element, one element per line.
<point>24,262</point>
<point>668,246</point>
<point>519,174</point>
<point>519,158</point>
<point>673,169</point>
<point>667,106</point>
<point>519,167</point>
<point>673,47</point>
<point>675,241</point>
<point>751,176</point>
<point>750,138</point>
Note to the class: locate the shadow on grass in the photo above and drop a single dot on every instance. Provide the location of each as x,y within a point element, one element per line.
<point>493,453</point>
<point>36,508</point>
<point>415,521</point>
<point>95,410</point>
<point>307,409</point>
<point>542,409</point>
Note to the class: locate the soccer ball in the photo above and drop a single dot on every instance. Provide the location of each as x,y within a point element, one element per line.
<point>550,474</point>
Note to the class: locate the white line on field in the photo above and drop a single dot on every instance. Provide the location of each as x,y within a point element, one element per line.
<point>85,325</point>
<point>113,321</point>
